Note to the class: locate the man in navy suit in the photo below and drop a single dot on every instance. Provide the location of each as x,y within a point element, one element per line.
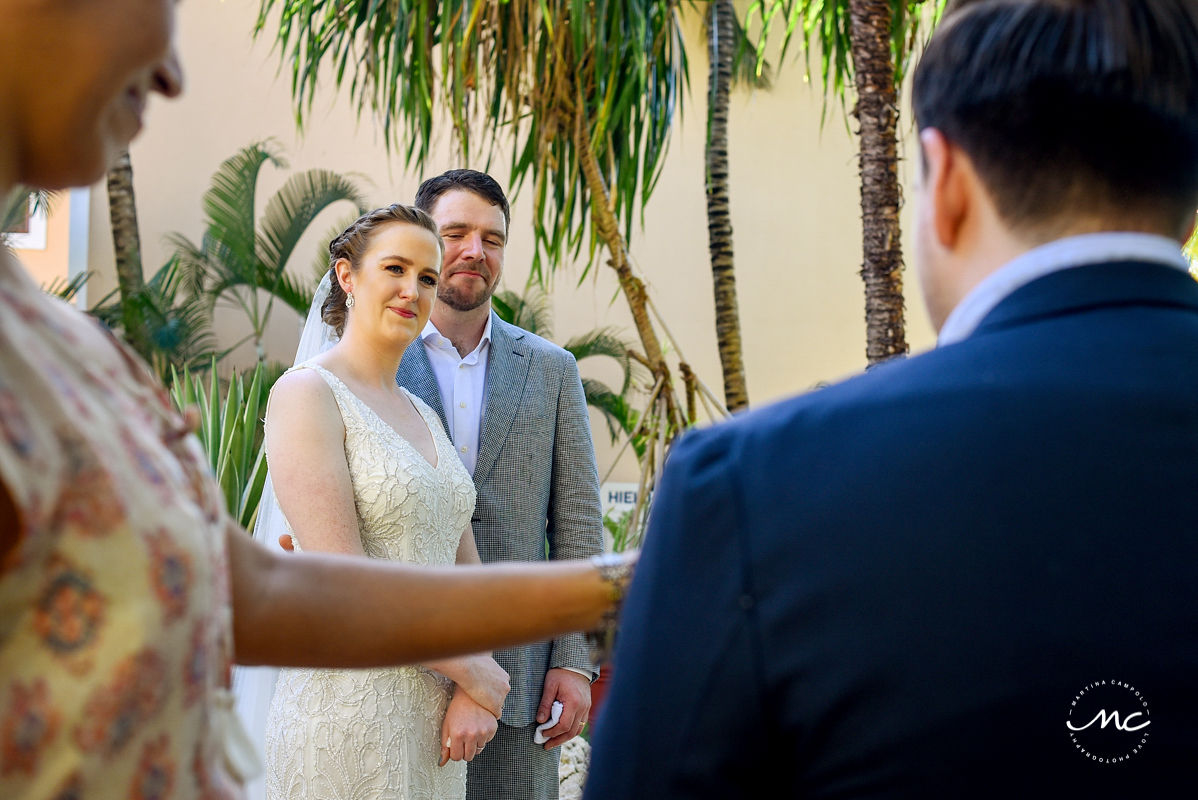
<point>973,572</point>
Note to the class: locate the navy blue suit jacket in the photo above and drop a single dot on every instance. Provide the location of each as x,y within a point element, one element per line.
<point>900,585</point>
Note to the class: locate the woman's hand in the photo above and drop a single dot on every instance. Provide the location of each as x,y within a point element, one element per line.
<point>478,676</point>
<point>466,729</point>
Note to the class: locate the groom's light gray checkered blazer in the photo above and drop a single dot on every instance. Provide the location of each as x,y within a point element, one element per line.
<point>536,480</point>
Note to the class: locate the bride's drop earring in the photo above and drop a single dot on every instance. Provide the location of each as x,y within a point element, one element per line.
<point>349,300</point>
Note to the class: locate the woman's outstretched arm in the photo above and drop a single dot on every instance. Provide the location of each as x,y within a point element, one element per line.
<point>344,611</point>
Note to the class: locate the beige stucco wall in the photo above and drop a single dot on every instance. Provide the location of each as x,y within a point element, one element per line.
<point>794,205</point>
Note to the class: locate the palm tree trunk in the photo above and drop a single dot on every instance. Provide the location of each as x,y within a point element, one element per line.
<point>605,222</point>
<point>126,242</point>
<point>722,47</point>
<point>881,197</point>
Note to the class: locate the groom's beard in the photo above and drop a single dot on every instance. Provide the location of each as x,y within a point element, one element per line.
<point>465,299</point>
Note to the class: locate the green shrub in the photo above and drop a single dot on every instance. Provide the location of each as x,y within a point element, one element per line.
<point>231,433</point>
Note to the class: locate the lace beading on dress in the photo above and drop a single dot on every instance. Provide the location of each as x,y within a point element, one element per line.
<point>375,733</point>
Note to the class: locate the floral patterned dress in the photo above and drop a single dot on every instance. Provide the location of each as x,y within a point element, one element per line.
<point>115,631</point>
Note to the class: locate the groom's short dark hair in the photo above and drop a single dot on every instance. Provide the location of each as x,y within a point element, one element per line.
<point>470,180</point>
<point>1070,107</point>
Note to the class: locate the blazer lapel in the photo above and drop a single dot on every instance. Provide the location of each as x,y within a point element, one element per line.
<point>508,362</point>
<point>415,373</point>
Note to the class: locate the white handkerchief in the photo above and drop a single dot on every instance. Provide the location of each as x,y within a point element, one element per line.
<point>555,714</point>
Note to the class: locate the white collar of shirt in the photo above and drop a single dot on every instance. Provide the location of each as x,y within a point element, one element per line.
<point>433,338</point>
<point>462,384</point>
<point>1072,251</point>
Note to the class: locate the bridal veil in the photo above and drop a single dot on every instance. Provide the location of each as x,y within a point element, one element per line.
<point>253,687</point>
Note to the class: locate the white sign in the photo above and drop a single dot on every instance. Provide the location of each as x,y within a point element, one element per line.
<point>617,497</point>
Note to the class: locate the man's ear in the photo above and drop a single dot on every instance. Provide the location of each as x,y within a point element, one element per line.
<point>948,181</point>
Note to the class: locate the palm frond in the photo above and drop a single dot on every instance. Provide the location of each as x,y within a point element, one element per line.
<point>825,26</point>
<point>615,410</point>
<point>293,209</point>
<point>66,288</point>
<point>511,70</point>
<point>238,255</point>
<point>605,342</point>
<point>178,325</point>
<point>297,292</point>
<point>21,203</point>
<point>192,263</point>
<point>230,205</point>
<point>530,311</point>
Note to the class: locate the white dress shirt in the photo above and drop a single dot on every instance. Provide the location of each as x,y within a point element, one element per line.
<point>1072,251</point>
<point>462,383</point>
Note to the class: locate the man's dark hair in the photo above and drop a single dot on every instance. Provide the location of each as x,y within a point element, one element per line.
<point>1070,107</point>
<point>480,183</point>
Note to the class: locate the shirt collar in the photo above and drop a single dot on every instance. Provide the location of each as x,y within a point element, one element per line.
<point>432,337</point>
<point>1072,251</point>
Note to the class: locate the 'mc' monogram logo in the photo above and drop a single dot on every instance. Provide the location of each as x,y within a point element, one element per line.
<point>1108,721</point>
<point>1105,719</point>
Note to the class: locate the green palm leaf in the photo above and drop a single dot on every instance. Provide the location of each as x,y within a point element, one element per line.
<point>21,202</point>
<point>66,288</point>
<point>605,342</point>
<point>230,432</point>
<point>825,25</point>
<point>178,325</point>
<point>230,204</point>
<point>529,311</point>
<point>520,67</point>
<point>617,413</point>
<point>293,209</point>
<point>239,254</point>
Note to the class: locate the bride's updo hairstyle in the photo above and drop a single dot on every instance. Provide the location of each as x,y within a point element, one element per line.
<point>354,241</point>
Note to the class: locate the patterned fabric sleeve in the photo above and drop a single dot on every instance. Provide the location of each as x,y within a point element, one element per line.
<point>115,630</point>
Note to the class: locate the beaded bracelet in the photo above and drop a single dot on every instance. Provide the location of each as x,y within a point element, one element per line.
<point>615,569</point>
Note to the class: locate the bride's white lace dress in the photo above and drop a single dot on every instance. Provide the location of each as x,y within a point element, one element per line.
<point>375,733</point>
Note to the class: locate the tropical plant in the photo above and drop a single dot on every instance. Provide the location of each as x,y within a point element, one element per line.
<point>734,55</point>
<point>20,203</point>
<point>176,325</point>
<point>66,288</point>
<point>722,49</point>
<point>868,44</point>
<point>239,255</point>
<point>584,94</point>
<point>531,311</point>
<point>231,433</point>
<point>619,526</point>
<point>126,246</point>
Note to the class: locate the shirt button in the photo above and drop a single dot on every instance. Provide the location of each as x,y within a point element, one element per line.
<point>462,404</point>
<point>463,448</point>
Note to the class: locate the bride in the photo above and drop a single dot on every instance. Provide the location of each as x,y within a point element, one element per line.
<point>361,467</point>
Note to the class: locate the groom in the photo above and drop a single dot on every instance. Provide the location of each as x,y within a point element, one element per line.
<point>513,405</point>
